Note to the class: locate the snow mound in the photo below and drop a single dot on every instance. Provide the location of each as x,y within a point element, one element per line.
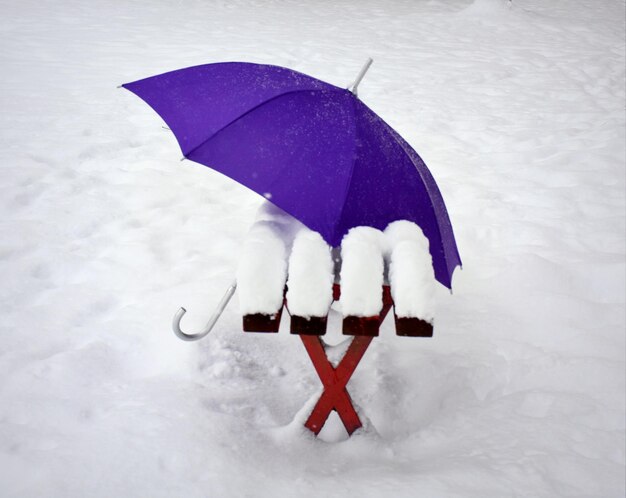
<point>411,274</point>
<point>261,285</point>
<point>362,272</point>
<point>262,270</point>
<point>310,283</point>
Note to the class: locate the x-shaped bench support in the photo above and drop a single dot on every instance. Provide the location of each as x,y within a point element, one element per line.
<point>335,395</point>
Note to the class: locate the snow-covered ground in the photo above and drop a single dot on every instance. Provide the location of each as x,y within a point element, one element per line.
<point>519,113</point>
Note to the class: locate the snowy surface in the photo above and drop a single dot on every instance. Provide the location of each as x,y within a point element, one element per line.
<point>311,276</point>
<point>262,269</point>
<point>362,272</point>
<point>411,274</point>
<point>519,114</point>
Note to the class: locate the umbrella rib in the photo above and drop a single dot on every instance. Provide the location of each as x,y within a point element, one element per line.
<point>252,109</point>
<point>403,145</point>
<point>345,195</point>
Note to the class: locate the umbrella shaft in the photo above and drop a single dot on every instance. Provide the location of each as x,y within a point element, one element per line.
<point>364,69</point>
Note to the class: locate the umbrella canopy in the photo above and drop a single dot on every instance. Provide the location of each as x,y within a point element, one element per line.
<point>314,149</point>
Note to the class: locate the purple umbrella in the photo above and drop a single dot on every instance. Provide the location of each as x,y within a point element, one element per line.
<point>314,149</point>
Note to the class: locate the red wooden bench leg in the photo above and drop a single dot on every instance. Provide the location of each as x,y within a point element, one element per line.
<point>335,396</point>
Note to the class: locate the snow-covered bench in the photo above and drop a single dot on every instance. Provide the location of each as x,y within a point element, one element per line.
<point>284,265</point>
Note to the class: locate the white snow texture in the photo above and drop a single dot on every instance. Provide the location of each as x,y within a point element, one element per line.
<point>311,278</point>
<point>411,274</point>
<point>362,272</point>
<point>262,270</point>
<point>516,107</point>
<point>266,262</point>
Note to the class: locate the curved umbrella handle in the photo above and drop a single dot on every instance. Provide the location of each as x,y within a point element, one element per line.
<point>210,324</point>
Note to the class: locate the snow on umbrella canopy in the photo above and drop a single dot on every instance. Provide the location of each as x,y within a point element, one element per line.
<point>314,149</point>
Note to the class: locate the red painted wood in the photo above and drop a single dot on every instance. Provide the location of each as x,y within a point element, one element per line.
<point>413,327</point>
<point>315,325</point>
<point>258,322</point>
<point>364,326</point>
<point>335,395</point>
<point>336,292</point>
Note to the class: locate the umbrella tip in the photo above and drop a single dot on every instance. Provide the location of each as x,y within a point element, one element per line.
<point>120,86</point>
<point>182,159</point>
<point>359,77</point>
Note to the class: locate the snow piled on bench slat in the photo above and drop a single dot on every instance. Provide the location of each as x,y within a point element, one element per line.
<point>262,270</point>
<point>411,274</point>
<point>311,277</point>
<point>362,272</point>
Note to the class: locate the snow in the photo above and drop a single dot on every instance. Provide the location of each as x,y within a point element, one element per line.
<point>362,272</point>
<point>518,112</point>
<point>262,270</point>
<point>411,274</point>
<point>311,276</point>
